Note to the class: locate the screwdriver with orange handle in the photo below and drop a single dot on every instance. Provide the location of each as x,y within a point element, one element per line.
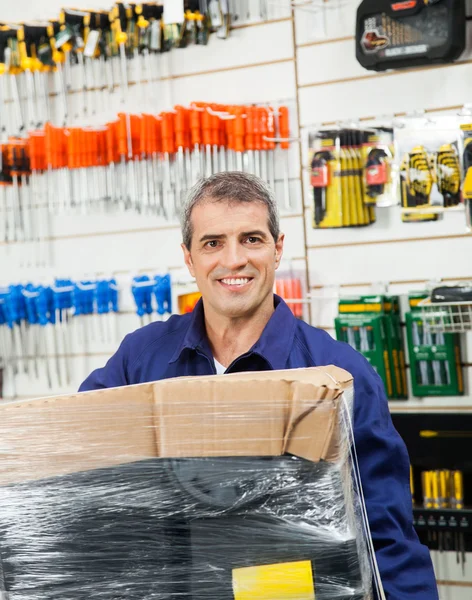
<point>249,163</point>
<point>257,140</point>
<point>264,127</point>
<point>147,134</point>
<point>112,159</point>
<point>239,131</point>
<point>180,142</point>
<point>207,138</point>
<point>168,148</point>
<point>198,169</point>
<point>229,129</point>
<point>284,134</point>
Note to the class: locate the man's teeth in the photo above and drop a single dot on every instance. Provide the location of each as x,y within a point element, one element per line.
<point>235,281</point>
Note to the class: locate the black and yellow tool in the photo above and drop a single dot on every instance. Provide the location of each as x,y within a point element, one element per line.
<point>448,175</point>
<point>416,184</point>
<point>467,167</point>
<point>338,166</point>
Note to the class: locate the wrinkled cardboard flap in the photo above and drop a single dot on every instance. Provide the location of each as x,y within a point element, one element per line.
<point>245,414</point>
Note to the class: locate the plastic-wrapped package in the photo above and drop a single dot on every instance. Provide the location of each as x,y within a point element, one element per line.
<point>231,487</point>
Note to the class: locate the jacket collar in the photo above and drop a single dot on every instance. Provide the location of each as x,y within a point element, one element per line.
<point>274,345</point>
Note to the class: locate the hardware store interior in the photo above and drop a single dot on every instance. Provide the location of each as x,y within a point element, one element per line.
<point>236,300</point>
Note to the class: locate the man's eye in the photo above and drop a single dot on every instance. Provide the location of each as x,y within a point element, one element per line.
<point>253,240</point>
<point>212,244</point>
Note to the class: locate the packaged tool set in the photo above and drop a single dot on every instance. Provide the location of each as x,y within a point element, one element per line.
<point>396,34</point>
<point>160,492</point>
<point>430,165</point>
<point>351,174</point>
<point>435,357</point>
<point>371,325</point>
<point>466,139</point>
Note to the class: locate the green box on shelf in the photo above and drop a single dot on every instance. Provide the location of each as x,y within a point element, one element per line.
<point>370,324</point>
<point>435,358</point>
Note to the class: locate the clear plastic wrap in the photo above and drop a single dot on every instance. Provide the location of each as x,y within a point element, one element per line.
<point>86,511</point>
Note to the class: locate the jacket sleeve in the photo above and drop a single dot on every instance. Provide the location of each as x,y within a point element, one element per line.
<point>113,374</point>
<point>404,563</point>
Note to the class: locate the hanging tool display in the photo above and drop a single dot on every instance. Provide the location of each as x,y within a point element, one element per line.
<point>435,358</point>
<point>430,167</point>
<point>37,324</point>
<point>139,162</point>
<point>371,325</point>
<point>152,297</point>
<point>396,34</point>
<point>92,53</point>
<point>291,290</point>
<point>351,173</point>
<point>440,517</point>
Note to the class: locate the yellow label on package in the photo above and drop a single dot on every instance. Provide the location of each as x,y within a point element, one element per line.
<point>284,581</point>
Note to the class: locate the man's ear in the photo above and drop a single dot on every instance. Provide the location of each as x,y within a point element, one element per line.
<point>279,249</point>
<point>188,259</point>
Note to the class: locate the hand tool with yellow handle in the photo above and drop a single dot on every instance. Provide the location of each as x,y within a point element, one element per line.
<point>435,489</point>
<point>412,485</point>
<point>119,16</point>
<point>448,173</point>
<point>427,485</point>
<point>467,167</point>
<point>444,488</point>
<point>457,496</point>
<point>420,175</point>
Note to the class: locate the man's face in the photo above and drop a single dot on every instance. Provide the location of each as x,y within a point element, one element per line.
<point>233,256</point>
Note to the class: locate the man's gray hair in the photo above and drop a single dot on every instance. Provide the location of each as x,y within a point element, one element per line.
<point>232,186</point>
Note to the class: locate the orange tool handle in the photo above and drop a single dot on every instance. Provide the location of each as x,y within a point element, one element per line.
<point>111,139</point>
<point>122,135</point>
<point>180,126</point>
<point>144,136</point>
<point>263,118</point>
<point>270,128</point>
<point>284,127</point>
<point>168,139</point>
<point>229,131</point>
<point>238,129</point>
<point>158,133</point>
<point>195,126</point>
<point>249,140</point>
<point>215,128</point>
<point>71,148</point>
<point>206,127</point>
<point>257,128</point>
<point>135,125</point>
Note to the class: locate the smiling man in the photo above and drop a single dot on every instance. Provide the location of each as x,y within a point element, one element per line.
<point>232,245</point>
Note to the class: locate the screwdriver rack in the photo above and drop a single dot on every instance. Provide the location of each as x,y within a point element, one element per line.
<point>140,162</point>
<point>99,51</point>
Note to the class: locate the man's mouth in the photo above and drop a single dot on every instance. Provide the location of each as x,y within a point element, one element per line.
<point>235,282</point>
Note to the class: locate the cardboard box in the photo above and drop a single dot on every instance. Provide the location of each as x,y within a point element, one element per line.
<point>186,488</point>
<point>259,414</point>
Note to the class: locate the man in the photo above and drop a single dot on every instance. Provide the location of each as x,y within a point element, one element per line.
<point>232,246</point>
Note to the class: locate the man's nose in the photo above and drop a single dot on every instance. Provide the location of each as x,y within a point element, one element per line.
<point>234,257</point>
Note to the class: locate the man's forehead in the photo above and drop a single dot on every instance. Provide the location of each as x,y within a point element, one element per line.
<point>230,217</point>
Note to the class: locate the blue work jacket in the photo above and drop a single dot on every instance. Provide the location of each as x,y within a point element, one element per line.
<point>180,347</point>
